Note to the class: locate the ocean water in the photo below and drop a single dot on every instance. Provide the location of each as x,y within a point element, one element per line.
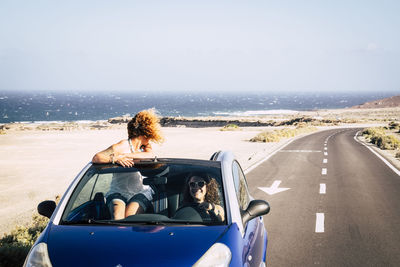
<point>93,106</point>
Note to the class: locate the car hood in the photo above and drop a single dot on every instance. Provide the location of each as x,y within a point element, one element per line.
<point>72,245</point>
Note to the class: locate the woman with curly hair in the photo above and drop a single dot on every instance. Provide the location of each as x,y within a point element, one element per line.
<point>127,195</point>
<point>201,192</point>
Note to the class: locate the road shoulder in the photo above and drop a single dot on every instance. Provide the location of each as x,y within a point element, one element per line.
<point>383,153</point>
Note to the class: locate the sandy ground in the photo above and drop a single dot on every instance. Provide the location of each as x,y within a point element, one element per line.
<point>37,165</point>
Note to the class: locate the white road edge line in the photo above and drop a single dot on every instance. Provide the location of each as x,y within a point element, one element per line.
<point>266,158</point>
<point>379,156</point>
<point>325,153</point>
<point>322,188</point>
<point>319,223</point>
<point>324,171</point>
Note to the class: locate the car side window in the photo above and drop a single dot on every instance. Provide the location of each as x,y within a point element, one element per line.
<point>242,191</point>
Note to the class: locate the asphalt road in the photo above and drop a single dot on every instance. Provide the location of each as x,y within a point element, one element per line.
<point>342,207</point>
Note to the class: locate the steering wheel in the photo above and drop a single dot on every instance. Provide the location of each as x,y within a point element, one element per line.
<point>188,213</point>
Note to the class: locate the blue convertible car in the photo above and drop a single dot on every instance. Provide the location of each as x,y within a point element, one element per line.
<point>173,231</point>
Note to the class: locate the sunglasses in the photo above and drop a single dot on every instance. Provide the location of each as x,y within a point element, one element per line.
<point>199,184</point>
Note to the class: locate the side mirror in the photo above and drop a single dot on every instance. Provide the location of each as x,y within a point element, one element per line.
<point>256,208</point>
<point>46,208</point>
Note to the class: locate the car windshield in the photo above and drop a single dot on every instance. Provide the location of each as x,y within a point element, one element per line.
<point>167,192</point>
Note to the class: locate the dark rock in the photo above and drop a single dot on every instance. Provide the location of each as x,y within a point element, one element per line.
<point>200,123</point>
<point>389,102</point>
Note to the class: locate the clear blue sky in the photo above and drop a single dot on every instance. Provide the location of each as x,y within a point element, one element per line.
<point>204,45</point>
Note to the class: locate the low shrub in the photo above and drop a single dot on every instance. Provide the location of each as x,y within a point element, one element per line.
<point>373,131</point>
<point>394,125</point>
<point>390,142</point>
<point>277,135</point>
<point>265,137</point>
<point>230,127</point>
<point>15,246</point>
<point>379,137</point>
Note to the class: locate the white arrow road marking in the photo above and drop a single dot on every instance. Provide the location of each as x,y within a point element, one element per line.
<point>274,188</point>
<point>319,223</point>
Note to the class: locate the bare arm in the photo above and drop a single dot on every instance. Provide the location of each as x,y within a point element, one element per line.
<point>146,153</point>
<point>105,156</point>
<point>113,155</point>
<point>215,208</point>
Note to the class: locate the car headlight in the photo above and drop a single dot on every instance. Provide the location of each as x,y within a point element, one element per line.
<point>217,255</point>
<point>39,256</point>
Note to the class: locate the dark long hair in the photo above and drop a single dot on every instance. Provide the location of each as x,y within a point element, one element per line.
<point>212,194</point>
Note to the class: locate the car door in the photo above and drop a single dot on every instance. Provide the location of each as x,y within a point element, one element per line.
<point>253,239</point>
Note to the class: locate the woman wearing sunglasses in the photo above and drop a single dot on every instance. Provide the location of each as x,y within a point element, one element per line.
<point>201,192</point>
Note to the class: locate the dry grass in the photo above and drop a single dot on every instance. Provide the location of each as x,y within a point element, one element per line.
<point>386,138</point>
<point>14,247</point>
<point>277,135</point>
<point>230,127</point>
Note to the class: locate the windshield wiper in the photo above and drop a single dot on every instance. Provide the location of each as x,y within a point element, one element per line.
<point>176,222</point>
<point>92,222</point>
<point>125,222</point>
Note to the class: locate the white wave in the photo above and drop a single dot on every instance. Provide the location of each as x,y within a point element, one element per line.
<point>39,122</point>
<point>60,122</point>
<point>258,112</point>
<point>88,121</point>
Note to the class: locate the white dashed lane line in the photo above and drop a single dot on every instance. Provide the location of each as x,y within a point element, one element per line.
<point>322,188</point>
<point>319,223</point>
<point>320,217</point>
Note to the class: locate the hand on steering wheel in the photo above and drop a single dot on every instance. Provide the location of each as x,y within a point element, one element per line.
<point>206,206</point>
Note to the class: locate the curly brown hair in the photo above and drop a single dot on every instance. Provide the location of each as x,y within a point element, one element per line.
<point>147,124</point>
<point>212,186</point>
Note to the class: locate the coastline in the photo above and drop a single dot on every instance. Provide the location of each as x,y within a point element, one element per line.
<point>323,117</point>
